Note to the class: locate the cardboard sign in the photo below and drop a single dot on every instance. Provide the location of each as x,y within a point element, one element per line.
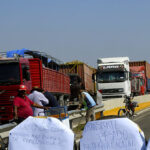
<point>41,134</point>
<point>112,134</point>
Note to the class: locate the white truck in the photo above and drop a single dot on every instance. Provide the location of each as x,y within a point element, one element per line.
<point>113,77</point>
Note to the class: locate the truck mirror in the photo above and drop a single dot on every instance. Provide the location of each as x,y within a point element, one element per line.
<point>130,76</point>
<point>27,76</point>
<point>26,73</point>
<point>79,80</point>
<point>93,77</point>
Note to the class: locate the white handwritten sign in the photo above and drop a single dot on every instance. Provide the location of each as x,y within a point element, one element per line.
<point>112,134</point>
<point>41,134</point>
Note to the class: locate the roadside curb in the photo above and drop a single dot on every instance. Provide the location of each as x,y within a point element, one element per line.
<point>114,111</point>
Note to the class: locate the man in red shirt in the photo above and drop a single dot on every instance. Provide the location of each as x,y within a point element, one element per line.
<point>22,105</point>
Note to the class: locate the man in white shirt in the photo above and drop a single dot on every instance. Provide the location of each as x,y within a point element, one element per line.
<point>38,97</point>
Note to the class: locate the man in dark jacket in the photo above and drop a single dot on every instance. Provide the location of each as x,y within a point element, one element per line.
<point>52,100</point>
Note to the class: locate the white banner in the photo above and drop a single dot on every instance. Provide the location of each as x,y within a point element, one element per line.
<point>112,134</point>
<point>41,134</point>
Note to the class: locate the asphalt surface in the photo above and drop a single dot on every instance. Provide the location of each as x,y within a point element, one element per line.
<point>143,120</point>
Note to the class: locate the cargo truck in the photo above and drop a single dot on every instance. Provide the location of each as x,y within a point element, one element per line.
<point>80,78</point>
<point>113,77</point>
<point>141,69</point>
<point>135,85</point>
<point>31,72</point>
<point>32,68</point>
<point>138,81</point>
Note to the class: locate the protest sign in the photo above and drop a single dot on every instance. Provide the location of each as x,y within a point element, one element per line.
<point>112,134</point>
<point>41,134</point>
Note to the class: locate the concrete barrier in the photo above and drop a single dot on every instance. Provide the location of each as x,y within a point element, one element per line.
<point>77,117</point>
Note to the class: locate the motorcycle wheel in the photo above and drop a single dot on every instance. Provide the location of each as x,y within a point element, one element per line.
<point>130,114</point>
<point>121,112</point>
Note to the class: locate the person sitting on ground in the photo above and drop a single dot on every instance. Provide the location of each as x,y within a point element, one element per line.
<point>38,97</point>
<point>89,103</point>
<point>22,105</point>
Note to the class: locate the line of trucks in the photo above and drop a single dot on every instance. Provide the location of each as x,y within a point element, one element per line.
<point>119,76</point>
<point>113,77</point>
<point>33,68</point>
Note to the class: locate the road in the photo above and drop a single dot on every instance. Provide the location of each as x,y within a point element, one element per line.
<point>143,120</point>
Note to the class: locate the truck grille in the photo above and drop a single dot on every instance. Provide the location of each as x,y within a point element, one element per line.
<point>120,90</point>
<point>6,105</point>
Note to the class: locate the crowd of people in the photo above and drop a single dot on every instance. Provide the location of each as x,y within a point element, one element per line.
<point>33,104</point>
<point>38,100</point>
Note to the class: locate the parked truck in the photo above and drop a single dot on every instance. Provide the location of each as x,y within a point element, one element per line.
<point>136,85</point>
<point>141,69</point>
<point>33,68</point>
<point>31,72</point>
<point>113,77</point>
<point>80,78</point>
<point>138,80</point>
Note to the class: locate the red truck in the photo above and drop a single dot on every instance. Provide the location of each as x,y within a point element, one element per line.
<point>140,71</point>
<point>30,72</point>
<point>138,82</point>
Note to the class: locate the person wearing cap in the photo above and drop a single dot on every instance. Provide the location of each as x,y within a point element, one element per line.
<point>38,97</point>
<point>22,105</point>
<point>89,104</point>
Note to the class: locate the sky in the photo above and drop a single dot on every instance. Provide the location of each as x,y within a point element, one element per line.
<point>83,30</point>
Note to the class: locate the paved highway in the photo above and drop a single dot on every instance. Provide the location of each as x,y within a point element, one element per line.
<point>143,120</point>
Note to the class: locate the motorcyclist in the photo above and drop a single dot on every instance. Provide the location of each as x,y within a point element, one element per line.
<point>130,105</point>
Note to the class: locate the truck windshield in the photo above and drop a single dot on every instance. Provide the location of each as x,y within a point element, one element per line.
<point>107,77</point>
<point>9,73</point>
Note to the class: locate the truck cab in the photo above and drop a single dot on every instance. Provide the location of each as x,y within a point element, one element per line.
<point>113,77</point>
<point>13,72</point>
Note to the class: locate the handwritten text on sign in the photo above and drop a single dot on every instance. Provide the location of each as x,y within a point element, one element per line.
<point>41,134</point>
<point>112,134</point>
